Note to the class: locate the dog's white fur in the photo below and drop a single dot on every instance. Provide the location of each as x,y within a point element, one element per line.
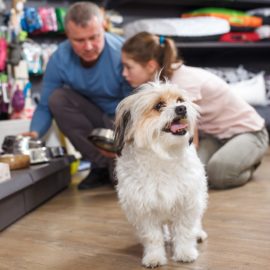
<point>160,178</point>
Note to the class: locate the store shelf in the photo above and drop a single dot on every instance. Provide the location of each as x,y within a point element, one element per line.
<point>225,45</point>
<point>242,4</point>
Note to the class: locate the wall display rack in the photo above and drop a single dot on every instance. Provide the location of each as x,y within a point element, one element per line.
<point>252,54</point>
<point>255,55</point>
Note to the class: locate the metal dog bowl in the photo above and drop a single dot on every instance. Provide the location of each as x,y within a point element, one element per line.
<point>39,155</point>
<point>17,144</point>
<point>57,151</point>
<point>103,138</point>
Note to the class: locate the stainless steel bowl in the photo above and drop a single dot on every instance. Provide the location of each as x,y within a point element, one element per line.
<point>17,144</point>
<point>103,138</point>
<point>57,151</point>
<point>39,155</point>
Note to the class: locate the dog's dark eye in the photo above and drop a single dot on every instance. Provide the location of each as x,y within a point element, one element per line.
<point>159,106</point>
<point>180,100</point>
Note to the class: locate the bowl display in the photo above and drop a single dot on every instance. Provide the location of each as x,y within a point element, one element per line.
<point>103,138</point>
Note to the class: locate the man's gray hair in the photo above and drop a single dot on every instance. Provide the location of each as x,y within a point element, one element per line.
<point>82,12</point>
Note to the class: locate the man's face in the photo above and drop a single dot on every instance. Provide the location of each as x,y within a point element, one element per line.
<point>87,42</point>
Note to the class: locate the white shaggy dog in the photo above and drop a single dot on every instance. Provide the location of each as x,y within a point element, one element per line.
<point>161,181</point>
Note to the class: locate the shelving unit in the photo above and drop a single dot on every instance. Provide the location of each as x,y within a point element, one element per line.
<point>223,45</point>
<point>185,4</point>
<point>254,55</point>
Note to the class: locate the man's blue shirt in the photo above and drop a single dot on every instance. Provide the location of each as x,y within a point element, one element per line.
<point>102,83</point>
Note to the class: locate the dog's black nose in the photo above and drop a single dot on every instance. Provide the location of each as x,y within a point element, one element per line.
<point>181,110</point>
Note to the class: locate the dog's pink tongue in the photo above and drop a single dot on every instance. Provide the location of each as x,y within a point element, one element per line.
<point>177,126</point>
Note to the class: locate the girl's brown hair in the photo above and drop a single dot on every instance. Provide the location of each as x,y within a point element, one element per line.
<point>144,47</point>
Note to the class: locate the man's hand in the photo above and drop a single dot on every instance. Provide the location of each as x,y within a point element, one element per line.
<point>32,134</point>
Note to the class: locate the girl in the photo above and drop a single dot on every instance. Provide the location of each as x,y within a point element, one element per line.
<point>232,136</point>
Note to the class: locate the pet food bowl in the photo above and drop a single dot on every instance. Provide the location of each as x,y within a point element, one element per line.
<point>57,151</point>
<point>39,155</point>
<point>13,144</point>
<point>16,162</point>
<point>103,138</point>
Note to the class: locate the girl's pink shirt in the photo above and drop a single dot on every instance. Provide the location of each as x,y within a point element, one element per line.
<point>222,113</point>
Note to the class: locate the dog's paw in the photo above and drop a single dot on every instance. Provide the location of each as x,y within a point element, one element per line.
<point>186,255</point>
<point>201,236</point>
<point>154,259</point>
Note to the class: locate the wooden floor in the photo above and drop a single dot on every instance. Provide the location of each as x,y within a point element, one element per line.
<point>80,230</point>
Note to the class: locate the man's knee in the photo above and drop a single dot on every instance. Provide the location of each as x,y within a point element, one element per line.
<point>56,99</point>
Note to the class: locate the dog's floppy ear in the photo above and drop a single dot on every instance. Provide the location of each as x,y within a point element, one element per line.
<point>122,124</point>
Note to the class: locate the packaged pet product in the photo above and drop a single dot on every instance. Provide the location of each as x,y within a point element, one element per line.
<point>3,53</point>
<point>4,172</point>
<point>237,19</point>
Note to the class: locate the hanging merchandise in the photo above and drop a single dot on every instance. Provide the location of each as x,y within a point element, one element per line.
<point>17,101</point>
<point>4,99</point>
<point>3,53</point>
<point>20,74</point>
<point>32,53</point>
<point>29,106</point>
<point>48,18</point>
<point>31,21</point>
<point>16,15</point>
<point>13,38</point>
<point>15,53</point>
<point>2,5</point>
<point>47,51</point>
<point>14,21</point>
<point>60,14</point>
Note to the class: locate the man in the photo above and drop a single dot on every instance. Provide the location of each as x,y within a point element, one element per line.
<point>82,86</point>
